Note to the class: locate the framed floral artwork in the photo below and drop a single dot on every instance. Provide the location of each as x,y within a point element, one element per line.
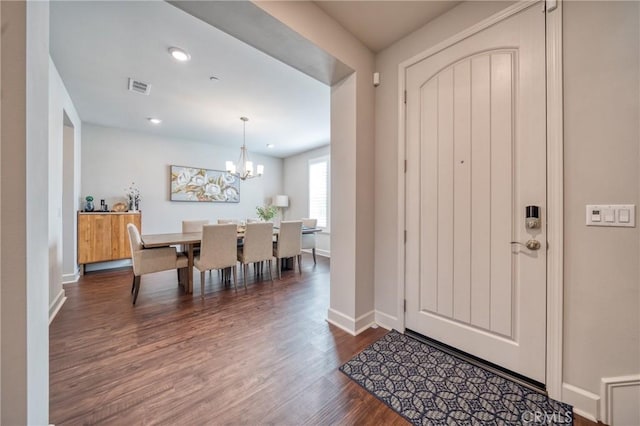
<point>194,184</point>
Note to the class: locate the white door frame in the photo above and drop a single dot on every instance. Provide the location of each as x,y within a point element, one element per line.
<point>555,210</point>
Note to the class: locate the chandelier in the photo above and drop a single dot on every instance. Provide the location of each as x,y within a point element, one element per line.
<point>244,168</point>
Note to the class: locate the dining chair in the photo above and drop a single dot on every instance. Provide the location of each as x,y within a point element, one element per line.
<point>193,226</point>
<point>225,272</point>
<point>226,221</point>
<point>289,243</point>
<point>309,240</point>
<point>217,251</point>
<point>258,267</point>
<point>257,247</point>
<point>147,261</point>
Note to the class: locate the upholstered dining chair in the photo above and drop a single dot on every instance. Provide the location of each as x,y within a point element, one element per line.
<point>193,226</point>
<point>257,247</point>
<point>309,240</point>
<point>289,243</point>
<point>217,251</point>
<point>147,261</point>
<point>226,221</point>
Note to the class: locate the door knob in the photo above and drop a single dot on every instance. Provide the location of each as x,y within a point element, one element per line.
<point>531,244</point>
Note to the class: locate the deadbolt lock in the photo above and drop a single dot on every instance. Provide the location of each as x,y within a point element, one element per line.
<point>532,215</point>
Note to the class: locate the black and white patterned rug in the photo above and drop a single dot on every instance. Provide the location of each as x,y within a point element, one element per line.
<point>430,387</point>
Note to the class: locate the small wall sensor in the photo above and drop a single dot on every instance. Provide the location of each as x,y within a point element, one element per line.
<point>376,79</point>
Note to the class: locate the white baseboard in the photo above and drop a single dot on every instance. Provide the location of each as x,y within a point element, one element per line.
<point>619,398</point>
<point>585,403</point>
<point>71,278</point>
<point>365,321</point>
<point>55,306</point>
<point>387,321</point>
<point>341,321</point>
<point>323,253</point>
<point>349,324</point>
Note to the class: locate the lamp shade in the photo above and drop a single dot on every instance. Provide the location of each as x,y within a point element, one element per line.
<point>281,200</point>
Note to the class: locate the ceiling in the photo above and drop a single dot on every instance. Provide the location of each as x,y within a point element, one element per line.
<point>378,24</point>
<point>98,45</point>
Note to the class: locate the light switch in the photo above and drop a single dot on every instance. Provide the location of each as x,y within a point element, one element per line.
<point>609,215</point>
<point>619,215</point>
<point>623,216</point>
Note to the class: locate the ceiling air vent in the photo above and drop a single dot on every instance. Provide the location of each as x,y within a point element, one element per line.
<point>139,87</point>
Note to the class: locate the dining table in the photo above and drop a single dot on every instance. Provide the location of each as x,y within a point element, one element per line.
<point>189,240</point>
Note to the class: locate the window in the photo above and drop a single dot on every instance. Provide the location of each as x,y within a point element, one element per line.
<point>319,190</point>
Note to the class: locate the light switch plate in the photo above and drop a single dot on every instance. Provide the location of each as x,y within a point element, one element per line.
<point>619,215</point>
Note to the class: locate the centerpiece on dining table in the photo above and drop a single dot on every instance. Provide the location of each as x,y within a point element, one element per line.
<point>267,213</point>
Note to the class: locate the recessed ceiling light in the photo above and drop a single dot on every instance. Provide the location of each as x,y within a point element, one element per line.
<point>270,145</point>
<point>179,54</point>
<point>154,120</point>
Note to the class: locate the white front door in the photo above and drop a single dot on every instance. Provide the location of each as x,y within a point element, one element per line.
<point>476,157</point>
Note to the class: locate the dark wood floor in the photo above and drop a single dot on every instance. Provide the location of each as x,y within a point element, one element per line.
<point>264,356</point>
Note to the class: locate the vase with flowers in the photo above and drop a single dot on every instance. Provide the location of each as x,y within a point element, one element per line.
<point>133,197</point>
<point>267,213</point>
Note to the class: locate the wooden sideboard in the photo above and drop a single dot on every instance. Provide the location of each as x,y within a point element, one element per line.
<point>103,236</point>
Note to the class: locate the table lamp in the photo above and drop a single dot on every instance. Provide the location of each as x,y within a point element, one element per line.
<point>280,201</point>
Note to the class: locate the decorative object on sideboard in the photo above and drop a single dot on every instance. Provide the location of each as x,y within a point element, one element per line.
<point>89,205</point>
<point>244,168</point>
<point>120,207</point>
<point>194,184</point>
<point>267,213</point>
<point>133,197</point>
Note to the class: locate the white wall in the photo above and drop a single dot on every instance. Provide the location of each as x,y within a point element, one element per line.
<point>1,240</point>
<point>61,106</point>
<point>37,212</point>
<point>24,171</point>
<point>296,186</point>
<point>352,154</point>
<point>113,158</point>
<point>386,148</point>
<point>602,163</point>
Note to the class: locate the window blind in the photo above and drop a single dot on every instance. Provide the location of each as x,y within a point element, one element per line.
<point>319,191</point>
